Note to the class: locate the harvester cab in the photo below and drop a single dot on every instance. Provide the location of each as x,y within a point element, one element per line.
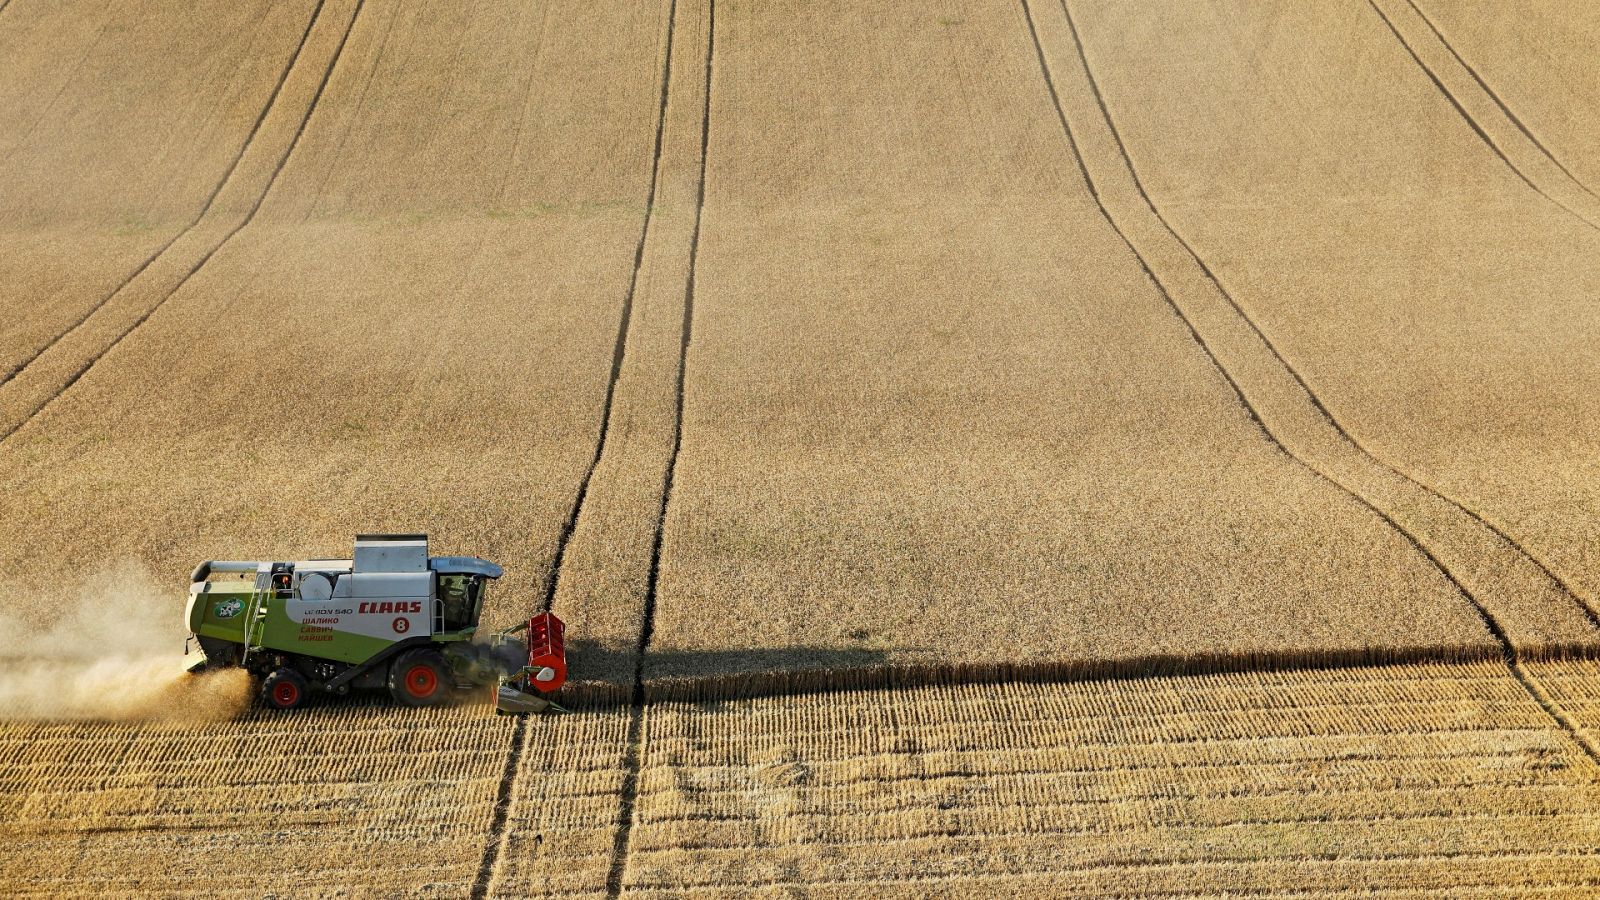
<point>390,616</point>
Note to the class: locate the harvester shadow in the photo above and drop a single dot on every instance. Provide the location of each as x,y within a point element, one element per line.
<point>604,676</point>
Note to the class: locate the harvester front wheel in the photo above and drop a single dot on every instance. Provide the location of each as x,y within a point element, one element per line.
<point>420,678</point>
<point>284,689</point>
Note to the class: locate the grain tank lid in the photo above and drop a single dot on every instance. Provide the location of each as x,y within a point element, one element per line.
<point>390,553</point>
<point>323,565</point>
<point>465,565</point>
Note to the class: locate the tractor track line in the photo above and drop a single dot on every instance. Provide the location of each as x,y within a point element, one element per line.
<point>502,811</point>
<point>357,107</point>
<point>628,800</point>
<point>619,350</point>
<point>1471,122</point>
<point>1515,119</point>
<point>1161,288</point>
<point>498,833</point>
<point>524,90</point>
<point>250,217</point>
<point>1588,611</point>
<point>1508,650</point>
<point>1094,191</point>
<point>83,57</point>
<point>636,707</point>
<point>211,199</point>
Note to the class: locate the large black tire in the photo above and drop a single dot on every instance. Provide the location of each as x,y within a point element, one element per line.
<point>420,677</point>
<point>284,689</point>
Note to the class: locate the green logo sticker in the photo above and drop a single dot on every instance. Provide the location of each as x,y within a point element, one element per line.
<point>227,609</point>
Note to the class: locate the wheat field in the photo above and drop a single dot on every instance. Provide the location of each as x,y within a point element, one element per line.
<point>121,809</point>
<point>1421,780</point>
<point>1529,62</point>
<point>842,448</point>
<point>1468,247</point>
<point>1441,779</point>
<point>110,155</point>
<point>432,343</point>
<point>1040,447</point>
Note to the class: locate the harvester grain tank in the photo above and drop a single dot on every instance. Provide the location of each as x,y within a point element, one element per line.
<point>391,616</point>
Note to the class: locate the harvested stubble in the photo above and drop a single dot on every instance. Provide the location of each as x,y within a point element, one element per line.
<point>937,416</point>
<point>1438,303</point>
<point>1447,778</point>
<point>1574,686</point>
<point>561,820</point>
<point>334,801</point>
<point>116,124</point>
<point>413,332</point>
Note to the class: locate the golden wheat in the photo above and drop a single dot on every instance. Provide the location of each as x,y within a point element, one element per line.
<point>964,349</point>
<point>116,125</point>
<point>1435,295</point>
<point>414,331</point>
<point>1537,58</point>
<point>935,413</point>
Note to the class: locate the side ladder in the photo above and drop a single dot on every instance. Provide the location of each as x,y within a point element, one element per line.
<point>255,615</point>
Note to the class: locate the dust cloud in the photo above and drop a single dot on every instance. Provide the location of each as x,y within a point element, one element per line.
<point>110,649</point>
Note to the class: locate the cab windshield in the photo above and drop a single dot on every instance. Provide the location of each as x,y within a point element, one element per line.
<point>461,598</point>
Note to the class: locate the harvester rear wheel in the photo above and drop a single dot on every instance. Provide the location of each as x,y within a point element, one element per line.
<point>420,678</point>
<point>284,689</point>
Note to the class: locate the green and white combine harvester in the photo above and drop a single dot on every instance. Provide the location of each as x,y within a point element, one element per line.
<point>390,616</point>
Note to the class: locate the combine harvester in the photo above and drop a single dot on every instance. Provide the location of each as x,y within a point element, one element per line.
<point>390,616</point>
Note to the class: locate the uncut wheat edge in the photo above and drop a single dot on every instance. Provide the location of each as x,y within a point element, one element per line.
<point>751,685</point>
